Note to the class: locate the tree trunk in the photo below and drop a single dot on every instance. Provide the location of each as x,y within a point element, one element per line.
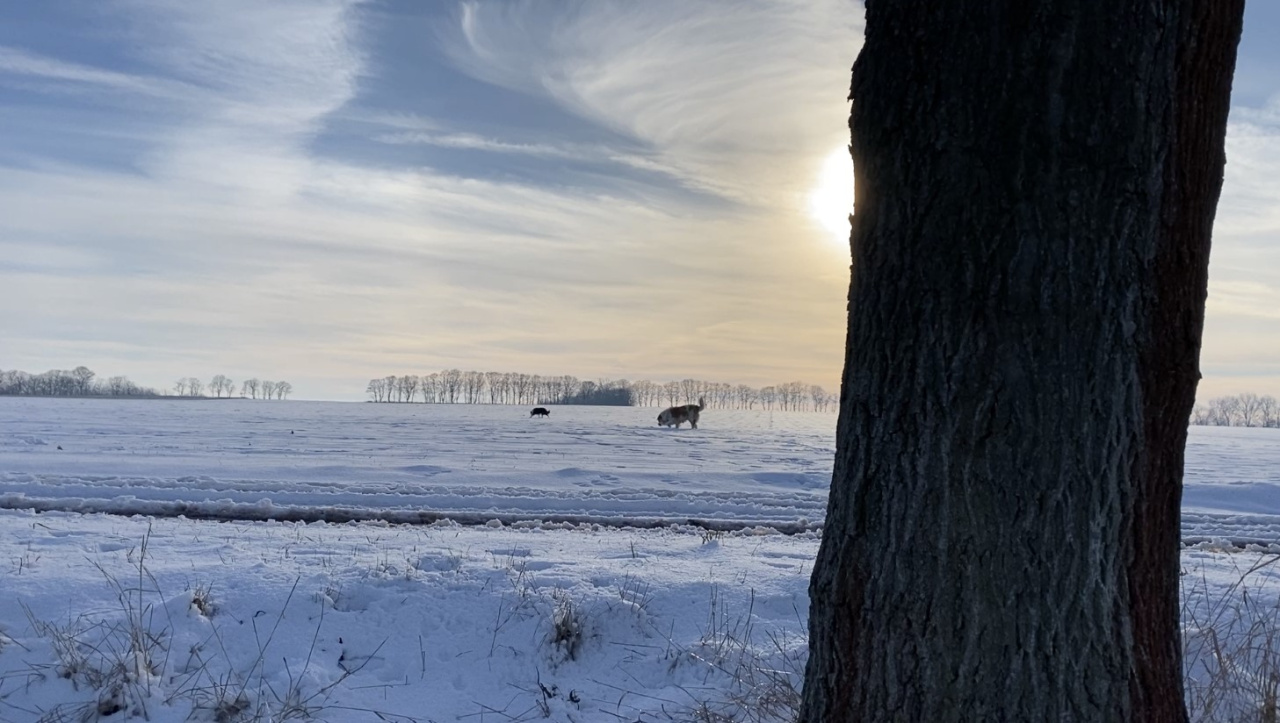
<point>1036,185</point>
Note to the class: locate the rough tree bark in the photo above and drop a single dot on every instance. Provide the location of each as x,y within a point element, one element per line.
<point>1036,185</point>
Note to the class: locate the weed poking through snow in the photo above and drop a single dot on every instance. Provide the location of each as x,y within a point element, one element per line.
<point>566,626</point>
<point>1231,646</point>
<point>122,663</point>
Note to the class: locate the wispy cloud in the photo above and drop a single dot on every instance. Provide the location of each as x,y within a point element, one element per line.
<point>478,143</point>
<point>1242,318</point>
<point>195,207</point>
<point>65,76</point>
<point>1251,197</point>
<point>728,92</point>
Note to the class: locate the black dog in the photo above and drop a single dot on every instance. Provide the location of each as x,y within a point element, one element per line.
<point>540,412</point>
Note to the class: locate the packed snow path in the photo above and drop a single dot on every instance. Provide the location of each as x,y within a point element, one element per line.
<point>474,463</point>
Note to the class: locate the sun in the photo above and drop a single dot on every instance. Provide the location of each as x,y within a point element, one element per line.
<point>831,200</point>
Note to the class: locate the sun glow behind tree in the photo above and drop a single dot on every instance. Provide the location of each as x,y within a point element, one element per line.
<point>831,201</point>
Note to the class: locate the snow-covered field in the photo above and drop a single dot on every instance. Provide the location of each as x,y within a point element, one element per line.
<point>237,458</point>
<point>415,462</point>
<point>429,623</point>
<point>587,596</point>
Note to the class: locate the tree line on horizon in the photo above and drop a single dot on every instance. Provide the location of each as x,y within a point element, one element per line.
<point>1241,410</point>
<point>78,382</point>
<point>82,382</point>
<point>220,384</point>
<point>454,386</point>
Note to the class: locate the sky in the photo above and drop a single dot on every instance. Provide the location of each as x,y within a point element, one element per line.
<point>327,191</point>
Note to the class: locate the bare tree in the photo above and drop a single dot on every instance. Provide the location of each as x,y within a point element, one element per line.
<point>1250,409</point>
<point>650,393</point>
<point>84,379</point>
<point>219,384</point>
<point>689,389</point>
<point>792,395</point>
<point>451,385</point>
<point>1245,410</point>
<point>472,386</point>
<point>674,391</point>
<point>1225,411</point>
<point>1036,184</point>
<point>430,384</point>
<point>283,389</point>
<point>768,397</point>
<point>14,382</point>
<point>1269,410</point>
<point>494,382</point>
<point>818,396</point>
<point>723,393</point>
<point>568,383</point>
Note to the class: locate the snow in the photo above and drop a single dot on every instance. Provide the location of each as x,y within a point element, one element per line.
<point>583,593</point>
<point>1232,486</point>
<point>438,622</point>
<point>237,458</point>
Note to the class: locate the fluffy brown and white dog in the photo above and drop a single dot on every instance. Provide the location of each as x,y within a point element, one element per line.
<point>675,416</point>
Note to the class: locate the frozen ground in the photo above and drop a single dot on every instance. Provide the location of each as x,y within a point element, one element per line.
<point>606,465</point>
<point>427,623</point>
<point>173,620</point>
<point>314,460</point>
<point>580,617</point>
